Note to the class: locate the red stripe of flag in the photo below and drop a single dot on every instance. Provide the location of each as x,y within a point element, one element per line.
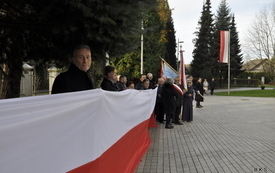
<point>123,156</point>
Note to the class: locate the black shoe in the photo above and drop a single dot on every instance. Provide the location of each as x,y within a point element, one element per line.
<point>179,123</point>
<point>169,127</point>
<point>170,124</point>
<point>200,106</point>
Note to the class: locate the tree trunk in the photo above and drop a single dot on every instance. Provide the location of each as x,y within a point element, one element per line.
<point>11,79</point>
<point>12,75</point>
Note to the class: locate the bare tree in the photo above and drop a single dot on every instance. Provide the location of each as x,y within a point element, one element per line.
<point>260,39</point>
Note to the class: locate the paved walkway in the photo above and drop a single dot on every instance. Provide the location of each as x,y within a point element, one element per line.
<point>229,134</point>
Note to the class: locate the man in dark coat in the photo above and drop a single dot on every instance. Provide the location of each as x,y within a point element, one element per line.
<point>138,85</point>
<point>159,108</point>
<point>212,85</point>
<point>110,79</point>
<point>76,78</point>
<point>187,111</point>
<point>199,93</point>
<point>152,81</point>
<point>121,84</point>
<point>169,95</point>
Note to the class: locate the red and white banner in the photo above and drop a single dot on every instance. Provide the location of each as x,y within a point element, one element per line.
<point>224,46</point>
<point>182,71</point>
<point>90,131</point>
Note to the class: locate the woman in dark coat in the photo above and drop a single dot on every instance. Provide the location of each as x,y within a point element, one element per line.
<point>187,111</point>
<point>199,92</point>
<point>169,95</point>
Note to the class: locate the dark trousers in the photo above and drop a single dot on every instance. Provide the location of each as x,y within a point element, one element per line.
<point>169,119</point>
<point>212,90</point>
<point>159,112</point>
<point>198,103</point>
<point>176,118</point>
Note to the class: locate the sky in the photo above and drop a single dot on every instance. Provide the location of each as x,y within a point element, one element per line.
<point>186,14</point>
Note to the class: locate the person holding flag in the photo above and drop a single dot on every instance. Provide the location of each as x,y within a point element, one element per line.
<point>169,94</point>
<point>187,111</point>
<point>76,78</point>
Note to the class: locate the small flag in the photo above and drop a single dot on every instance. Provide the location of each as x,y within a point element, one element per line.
<point>167,70</point>
<point>224,46</point>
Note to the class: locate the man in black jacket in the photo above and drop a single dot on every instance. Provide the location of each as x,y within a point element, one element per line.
<point>109,82</point>
<point>76,78</point>
<point>212,85</point>
<point>121,84</point>
<point>169,95</point>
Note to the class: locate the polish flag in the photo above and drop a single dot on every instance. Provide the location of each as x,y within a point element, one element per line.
<point>89,131</point>
<point>224,46</point>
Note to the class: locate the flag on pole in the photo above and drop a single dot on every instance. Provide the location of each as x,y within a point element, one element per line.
<point>182,71</point>
<point>224,46</point>
<point>167,70</point>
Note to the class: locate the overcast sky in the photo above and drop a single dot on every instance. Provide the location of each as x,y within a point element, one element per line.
<point>186,14</point>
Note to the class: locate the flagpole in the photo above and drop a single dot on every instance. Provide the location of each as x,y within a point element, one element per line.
<point>182,71</point>
<point>229,62</point>
<point>141,50</point>
<point>178,52</point>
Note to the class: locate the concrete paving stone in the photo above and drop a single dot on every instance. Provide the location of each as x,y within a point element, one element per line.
<point>229,134</point>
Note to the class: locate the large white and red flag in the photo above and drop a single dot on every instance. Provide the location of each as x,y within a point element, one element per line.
<point>182,71</point>
<point>224,46</point>
<point>90,131</point>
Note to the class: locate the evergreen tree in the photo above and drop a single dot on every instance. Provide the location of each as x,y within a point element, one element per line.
<point>153,49</point>
<point>154,45</point>
<point>158,40</point>
<point>223,18</point>
<point>168,33</point>
<point>225,21</point>
<point>48,31</point>
<point>170,44</point>
<point>236,57</point>
<point>222,23</point>
<point>202,54</point>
